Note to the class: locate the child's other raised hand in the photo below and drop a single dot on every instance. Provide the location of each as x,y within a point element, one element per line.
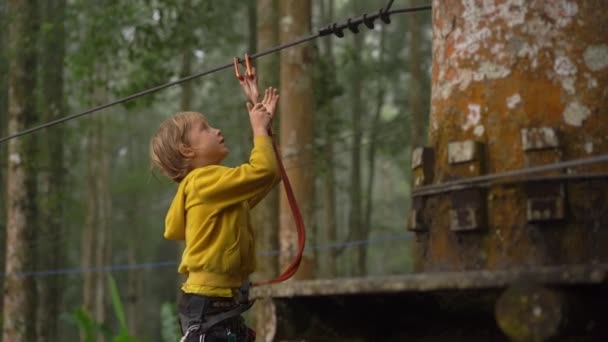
<point>250,86</point>
<point>271,97</point>
<point>260,118</point>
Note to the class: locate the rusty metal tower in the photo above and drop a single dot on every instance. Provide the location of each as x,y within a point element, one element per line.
<point>515,84</point>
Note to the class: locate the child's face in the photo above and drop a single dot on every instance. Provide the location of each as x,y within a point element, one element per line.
<point>206,144</point>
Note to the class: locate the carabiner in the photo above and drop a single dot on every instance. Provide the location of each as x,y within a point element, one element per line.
<point>248,68</point>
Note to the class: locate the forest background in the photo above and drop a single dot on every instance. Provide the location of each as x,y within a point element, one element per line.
<point>90,209</point>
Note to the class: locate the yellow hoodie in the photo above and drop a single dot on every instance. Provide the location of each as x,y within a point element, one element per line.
<point>210,211</point>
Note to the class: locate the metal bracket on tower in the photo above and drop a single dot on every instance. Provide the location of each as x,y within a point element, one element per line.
<point>545,201</point>
<point>423,165</point>
<point>468,210</point>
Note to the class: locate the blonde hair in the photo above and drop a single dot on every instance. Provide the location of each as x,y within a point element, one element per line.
<point>166,142</point>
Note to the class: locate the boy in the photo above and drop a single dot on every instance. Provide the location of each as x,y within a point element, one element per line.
<point>210,212</point>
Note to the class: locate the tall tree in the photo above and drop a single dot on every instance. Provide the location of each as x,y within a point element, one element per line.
<point>330,223</point>
<point>135,281</point>
<point>358,107</point>
<point>265,215</point>
<point>415,98</point>
<point>296,120</point>
<point>52,107</point>
<point>96,240</point>
<point>19,292</point>
<point>3,122</point>
<point>374,130</point>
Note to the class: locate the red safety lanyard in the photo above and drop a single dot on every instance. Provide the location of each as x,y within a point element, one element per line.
<point>295,263</point>
<point>297,216</point>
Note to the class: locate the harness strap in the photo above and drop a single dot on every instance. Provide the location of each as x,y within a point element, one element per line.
<point>215,319</point>
<point>196,309</point>
<point>295,263</point>
<point>198,321</point>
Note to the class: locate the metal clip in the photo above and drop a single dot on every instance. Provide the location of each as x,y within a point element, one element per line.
<point>249,71</point>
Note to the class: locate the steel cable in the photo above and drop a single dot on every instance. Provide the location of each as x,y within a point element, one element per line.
<point>331,29</point>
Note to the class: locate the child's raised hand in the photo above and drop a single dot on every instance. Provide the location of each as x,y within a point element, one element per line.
<point>260,118</point>
<point>250,86</point>
<point>271,97</point>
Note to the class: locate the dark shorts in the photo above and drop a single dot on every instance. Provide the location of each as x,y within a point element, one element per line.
<point>195,308</point>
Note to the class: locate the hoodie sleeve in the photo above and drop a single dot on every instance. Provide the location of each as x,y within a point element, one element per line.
<point>175,221</point>
<point>259,197</point>
<point>222,186</point>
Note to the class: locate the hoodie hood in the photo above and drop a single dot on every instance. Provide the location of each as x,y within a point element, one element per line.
<point>175,221</point>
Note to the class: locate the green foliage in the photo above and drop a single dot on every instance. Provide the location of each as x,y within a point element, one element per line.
<point>118,309</point>
<point>89,328</point>
<point>168,319</point>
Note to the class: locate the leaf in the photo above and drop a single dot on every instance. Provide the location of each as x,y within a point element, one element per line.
<point>117,304</point>
<point>87,325</point>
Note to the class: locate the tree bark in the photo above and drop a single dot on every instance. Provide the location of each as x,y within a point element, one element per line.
<point>329,177</point>
<point>371,155</point>
<point>134,304</point>
<point>296,106</point>
<point>355,223</point>
<point>49,288</point>
<point>19,291</point>
<point>97,236</point>
<point>265,216</point>
<point>414,86</point>
<point>3,124</point>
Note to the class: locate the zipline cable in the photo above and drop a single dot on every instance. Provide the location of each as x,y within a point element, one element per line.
<point>334,28</point>
<point>158,264</point>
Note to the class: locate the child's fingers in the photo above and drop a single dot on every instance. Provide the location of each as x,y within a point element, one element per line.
<point>266,97</point>
<point>259,106</point>
<point>249,106</point>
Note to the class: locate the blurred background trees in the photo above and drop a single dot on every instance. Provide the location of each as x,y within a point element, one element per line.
<point>353,107</point>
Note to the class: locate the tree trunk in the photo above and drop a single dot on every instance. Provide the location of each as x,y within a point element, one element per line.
<point>134,304</point>
<point>49,288</point>
<point>355,216</point>
<point>3,122</point>
<point>265,216</point>
<point>296,106</point>
<point>252,22</point>
<point>371,156</point>
<point>97,239</point>
<point>329,178</point>
<point>414,86</point>
<point>19,291</point>
<point>89,245</point>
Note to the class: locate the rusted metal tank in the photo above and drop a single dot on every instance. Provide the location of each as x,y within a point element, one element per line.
<point>515,84</point>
